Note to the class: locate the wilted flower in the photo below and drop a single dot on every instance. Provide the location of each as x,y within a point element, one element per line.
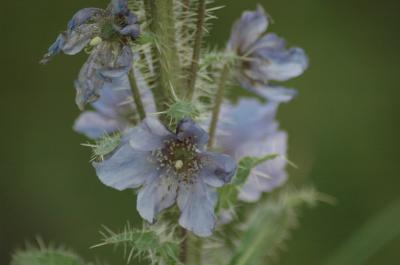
<point>169,167</point>
<point>264,58</point>
<point>109,33</point>
<point>250,129</point>
<point>114,111</point>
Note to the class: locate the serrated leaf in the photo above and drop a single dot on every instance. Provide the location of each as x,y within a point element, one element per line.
<point>269,225</point>
<point>229,193</point>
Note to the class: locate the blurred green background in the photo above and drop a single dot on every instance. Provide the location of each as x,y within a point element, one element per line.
<point>344,126</point>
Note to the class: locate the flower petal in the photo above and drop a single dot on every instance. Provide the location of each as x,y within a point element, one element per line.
<point>119,65</point>
<point>280,64</point>
<point>218,169</point>
<point>119,6</point>
<point>89,82</point>
<point>83,16</point>
<point>54,49</point>
<point>94,125</point>
<point>77,39</point>
<point>126,168</point>
<point>197,202</point>
<point>276,93</point>
<point>248,29</point>
<point>149,135</point>
<point>270,174</point>
<point>233,130</point>
<point>188,129</point>
<point>157,194</point>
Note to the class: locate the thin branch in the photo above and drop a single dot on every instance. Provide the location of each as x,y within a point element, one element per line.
<point>136,95</point>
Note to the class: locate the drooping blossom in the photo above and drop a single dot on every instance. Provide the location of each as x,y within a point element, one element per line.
<point>170,167</point>
<point>250,129</point>
<point>264,57</point>
<point>109,33</point>
<point>114,111</point>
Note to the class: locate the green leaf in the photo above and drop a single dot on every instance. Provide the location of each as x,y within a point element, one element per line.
<point>153,243</point>
<point>269,225</point>
<point>229,193</point>
<point>370,238</point>
<point>46,256</point>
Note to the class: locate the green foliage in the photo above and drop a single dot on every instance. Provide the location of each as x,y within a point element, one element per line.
<point>105,145</point>
<point>182,109</point>
<point>229,193</point>
<point>43,255</point>
<point>370,238</point>
<point>156,243</point>
<point>269,225</point>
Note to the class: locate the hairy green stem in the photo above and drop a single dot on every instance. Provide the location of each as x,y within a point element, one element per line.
<point>162,25</point>
<point>136,95</point>
<point>184,246</point>
<point>201,11</point>
<point>217,105</point>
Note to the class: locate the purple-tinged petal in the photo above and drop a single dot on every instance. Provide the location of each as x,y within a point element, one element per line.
<point>217,169</point>
<point>78,39</point>
<point>188,129</point>
<point>197,202</point>
<point>89,82</point>
<point>158,193</point>
<point>248,29</point>
<point>149,135</point>
<point>95,125</point>
<point>54,49</point>
<point>120,65</point>
<point>83,16</point>
<point>126,168</point>
<point>119,6</point>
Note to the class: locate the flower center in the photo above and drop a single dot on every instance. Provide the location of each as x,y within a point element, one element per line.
<point>107,31</point>
<point>180,157</point>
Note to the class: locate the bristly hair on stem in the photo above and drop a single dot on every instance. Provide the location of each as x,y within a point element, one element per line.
<point>219,97</point>
<point>197,48</point>
<point>136,95</point>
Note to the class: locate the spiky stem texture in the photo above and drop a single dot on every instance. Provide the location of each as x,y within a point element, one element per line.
<point>217,104</point>
<point>197,47</point>
<point>184,246</point>
<point>162,24</point>
<point>136,96</point>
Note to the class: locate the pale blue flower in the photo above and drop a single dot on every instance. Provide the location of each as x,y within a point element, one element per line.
<point>250,129</point>
<point>170,167</point>
<point>264,58</point>
<point>109,33</point>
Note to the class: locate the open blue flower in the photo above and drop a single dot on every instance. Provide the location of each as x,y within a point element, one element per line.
<point>250,129</point>
<point>109,33</point>
<point>264,58</point>
<point>169,167</point>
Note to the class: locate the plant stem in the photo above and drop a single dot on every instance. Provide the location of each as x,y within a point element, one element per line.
<point>198,251</point>
<point>201,11</point>
<point>184,246</point>
<point>217,105</point>
<point>136,95</point>
<point>165,53</point>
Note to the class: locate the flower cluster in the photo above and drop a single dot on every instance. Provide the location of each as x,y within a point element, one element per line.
<point>164,153</point>
<point>109,32</point>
